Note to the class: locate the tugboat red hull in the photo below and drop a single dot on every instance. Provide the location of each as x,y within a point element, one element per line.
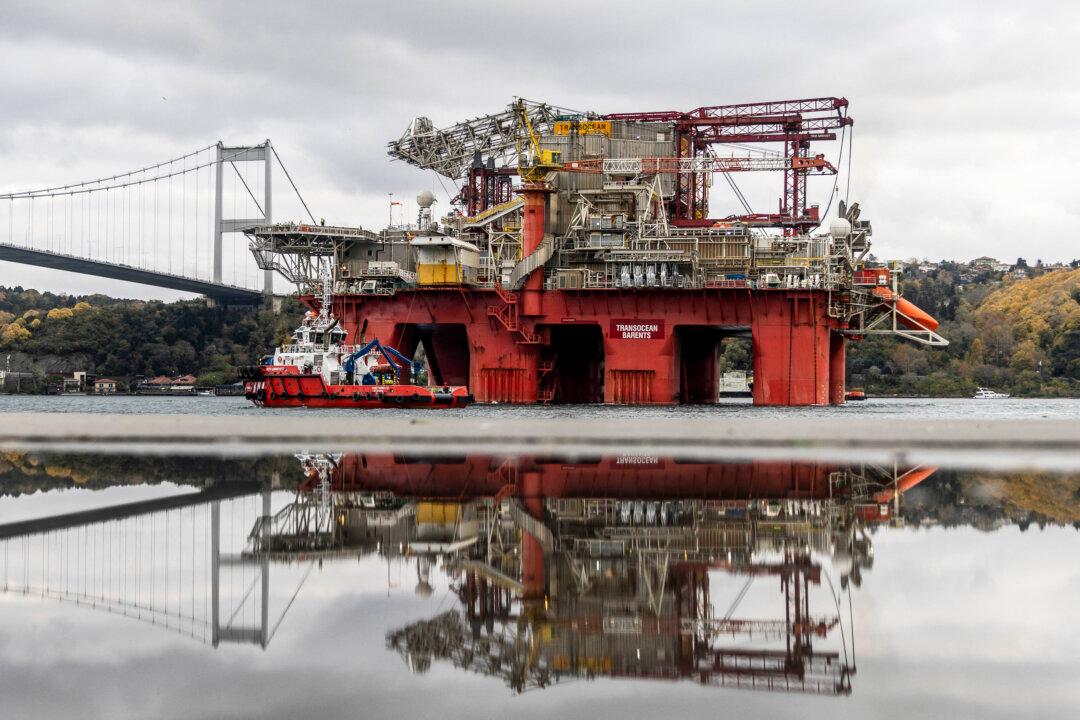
<point>276,386</point>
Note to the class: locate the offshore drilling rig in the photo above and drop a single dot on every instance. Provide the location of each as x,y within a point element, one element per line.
<point>580,262</point>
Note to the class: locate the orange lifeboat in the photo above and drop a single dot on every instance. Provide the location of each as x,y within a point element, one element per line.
<point>906,481</point>
<point>911,315</point>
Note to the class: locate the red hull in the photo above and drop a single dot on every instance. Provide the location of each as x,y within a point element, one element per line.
<point>643,346</point>
<point>284,387</point>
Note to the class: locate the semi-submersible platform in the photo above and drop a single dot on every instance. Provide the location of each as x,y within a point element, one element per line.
<point>579,262</point>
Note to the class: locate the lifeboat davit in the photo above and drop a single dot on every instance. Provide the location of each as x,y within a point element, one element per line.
<point>910,315</point>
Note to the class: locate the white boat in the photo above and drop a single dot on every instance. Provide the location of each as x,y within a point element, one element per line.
<point>986,394</point>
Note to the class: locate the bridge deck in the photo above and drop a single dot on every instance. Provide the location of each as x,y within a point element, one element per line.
<point>54,523</point>
<point>226,294</point>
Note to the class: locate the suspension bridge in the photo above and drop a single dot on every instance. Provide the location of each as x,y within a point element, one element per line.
<point>177,224</point>
<point>194,563</point>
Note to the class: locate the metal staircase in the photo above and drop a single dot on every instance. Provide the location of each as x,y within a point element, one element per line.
<point>507,316</point>
<point>534,261</point>
<point>546,381</point>
<point>492,214</point>
<point>531,525</point>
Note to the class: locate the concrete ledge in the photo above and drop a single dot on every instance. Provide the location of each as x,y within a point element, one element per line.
<point>455,432</point>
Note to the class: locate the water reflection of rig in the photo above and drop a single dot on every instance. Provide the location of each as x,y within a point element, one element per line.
<point>606,567</point>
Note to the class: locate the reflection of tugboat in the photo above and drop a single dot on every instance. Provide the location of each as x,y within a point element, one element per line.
<point>986,394</point>
<point>316,369</point>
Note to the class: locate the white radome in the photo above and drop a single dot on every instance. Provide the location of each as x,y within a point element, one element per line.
<point>840,228</point>
<point>842,562</point>
<point>425,198</point>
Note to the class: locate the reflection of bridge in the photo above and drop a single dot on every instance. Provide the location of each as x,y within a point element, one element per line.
<point>165,225</point>
<point>182,562</point>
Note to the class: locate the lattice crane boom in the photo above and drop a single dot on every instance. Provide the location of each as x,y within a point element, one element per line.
<point>707,164</point>
<point>450,150</point>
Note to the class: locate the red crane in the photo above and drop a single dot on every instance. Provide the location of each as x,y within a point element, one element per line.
<point>795,123</point>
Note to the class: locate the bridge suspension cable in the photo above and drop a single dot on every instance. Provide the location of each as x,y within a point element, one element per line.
<point>106,179</point>
<point>185,564</point>
<point>71,189</point>
<point>175,223</point>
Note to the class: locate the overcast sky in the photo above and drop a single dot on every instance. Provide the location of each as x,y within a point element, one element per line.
<point>964,111</point>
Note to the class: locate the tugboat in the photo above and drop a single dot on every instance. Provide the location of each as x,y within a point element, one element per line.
<point>316,369</point>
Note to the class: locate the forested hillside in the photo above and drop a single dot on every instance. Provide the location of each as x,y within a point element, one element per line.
<point>1020,335</point>
<point>1007,332</point>
<point>125,338</point>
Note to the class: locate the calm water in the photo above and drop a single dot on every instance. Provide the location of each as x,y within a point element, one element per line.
<point>360,585</point>
<point>941,408</point>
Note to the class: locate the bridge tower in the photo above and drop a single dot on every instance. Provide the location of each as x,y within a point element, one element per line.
<point>254,153</point>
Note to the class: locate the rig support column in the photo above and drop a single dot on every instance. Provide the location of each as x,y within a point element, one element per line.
<point>837,368</point>
<point>641,372</point>
<point>533,573</point>
<point>790,333</point>
<point>532,235</point>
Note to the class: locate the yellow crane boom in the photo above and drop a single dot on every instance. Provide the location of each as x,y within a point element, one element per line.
<point>537,166</point>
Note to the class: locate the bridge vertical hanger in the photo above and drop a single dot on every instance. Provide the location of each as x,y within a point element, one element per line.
<point>253,153</point>
<point>217,213</point>
<point>268,175</point>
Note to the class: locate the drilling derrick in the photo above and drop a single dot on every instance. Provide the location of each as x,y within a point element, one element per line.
<point>794,123</point>
<point>581,261</point>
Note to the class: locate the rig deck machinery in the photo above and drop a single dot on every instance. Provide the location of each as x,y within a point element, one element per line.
<point>597,274</point>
